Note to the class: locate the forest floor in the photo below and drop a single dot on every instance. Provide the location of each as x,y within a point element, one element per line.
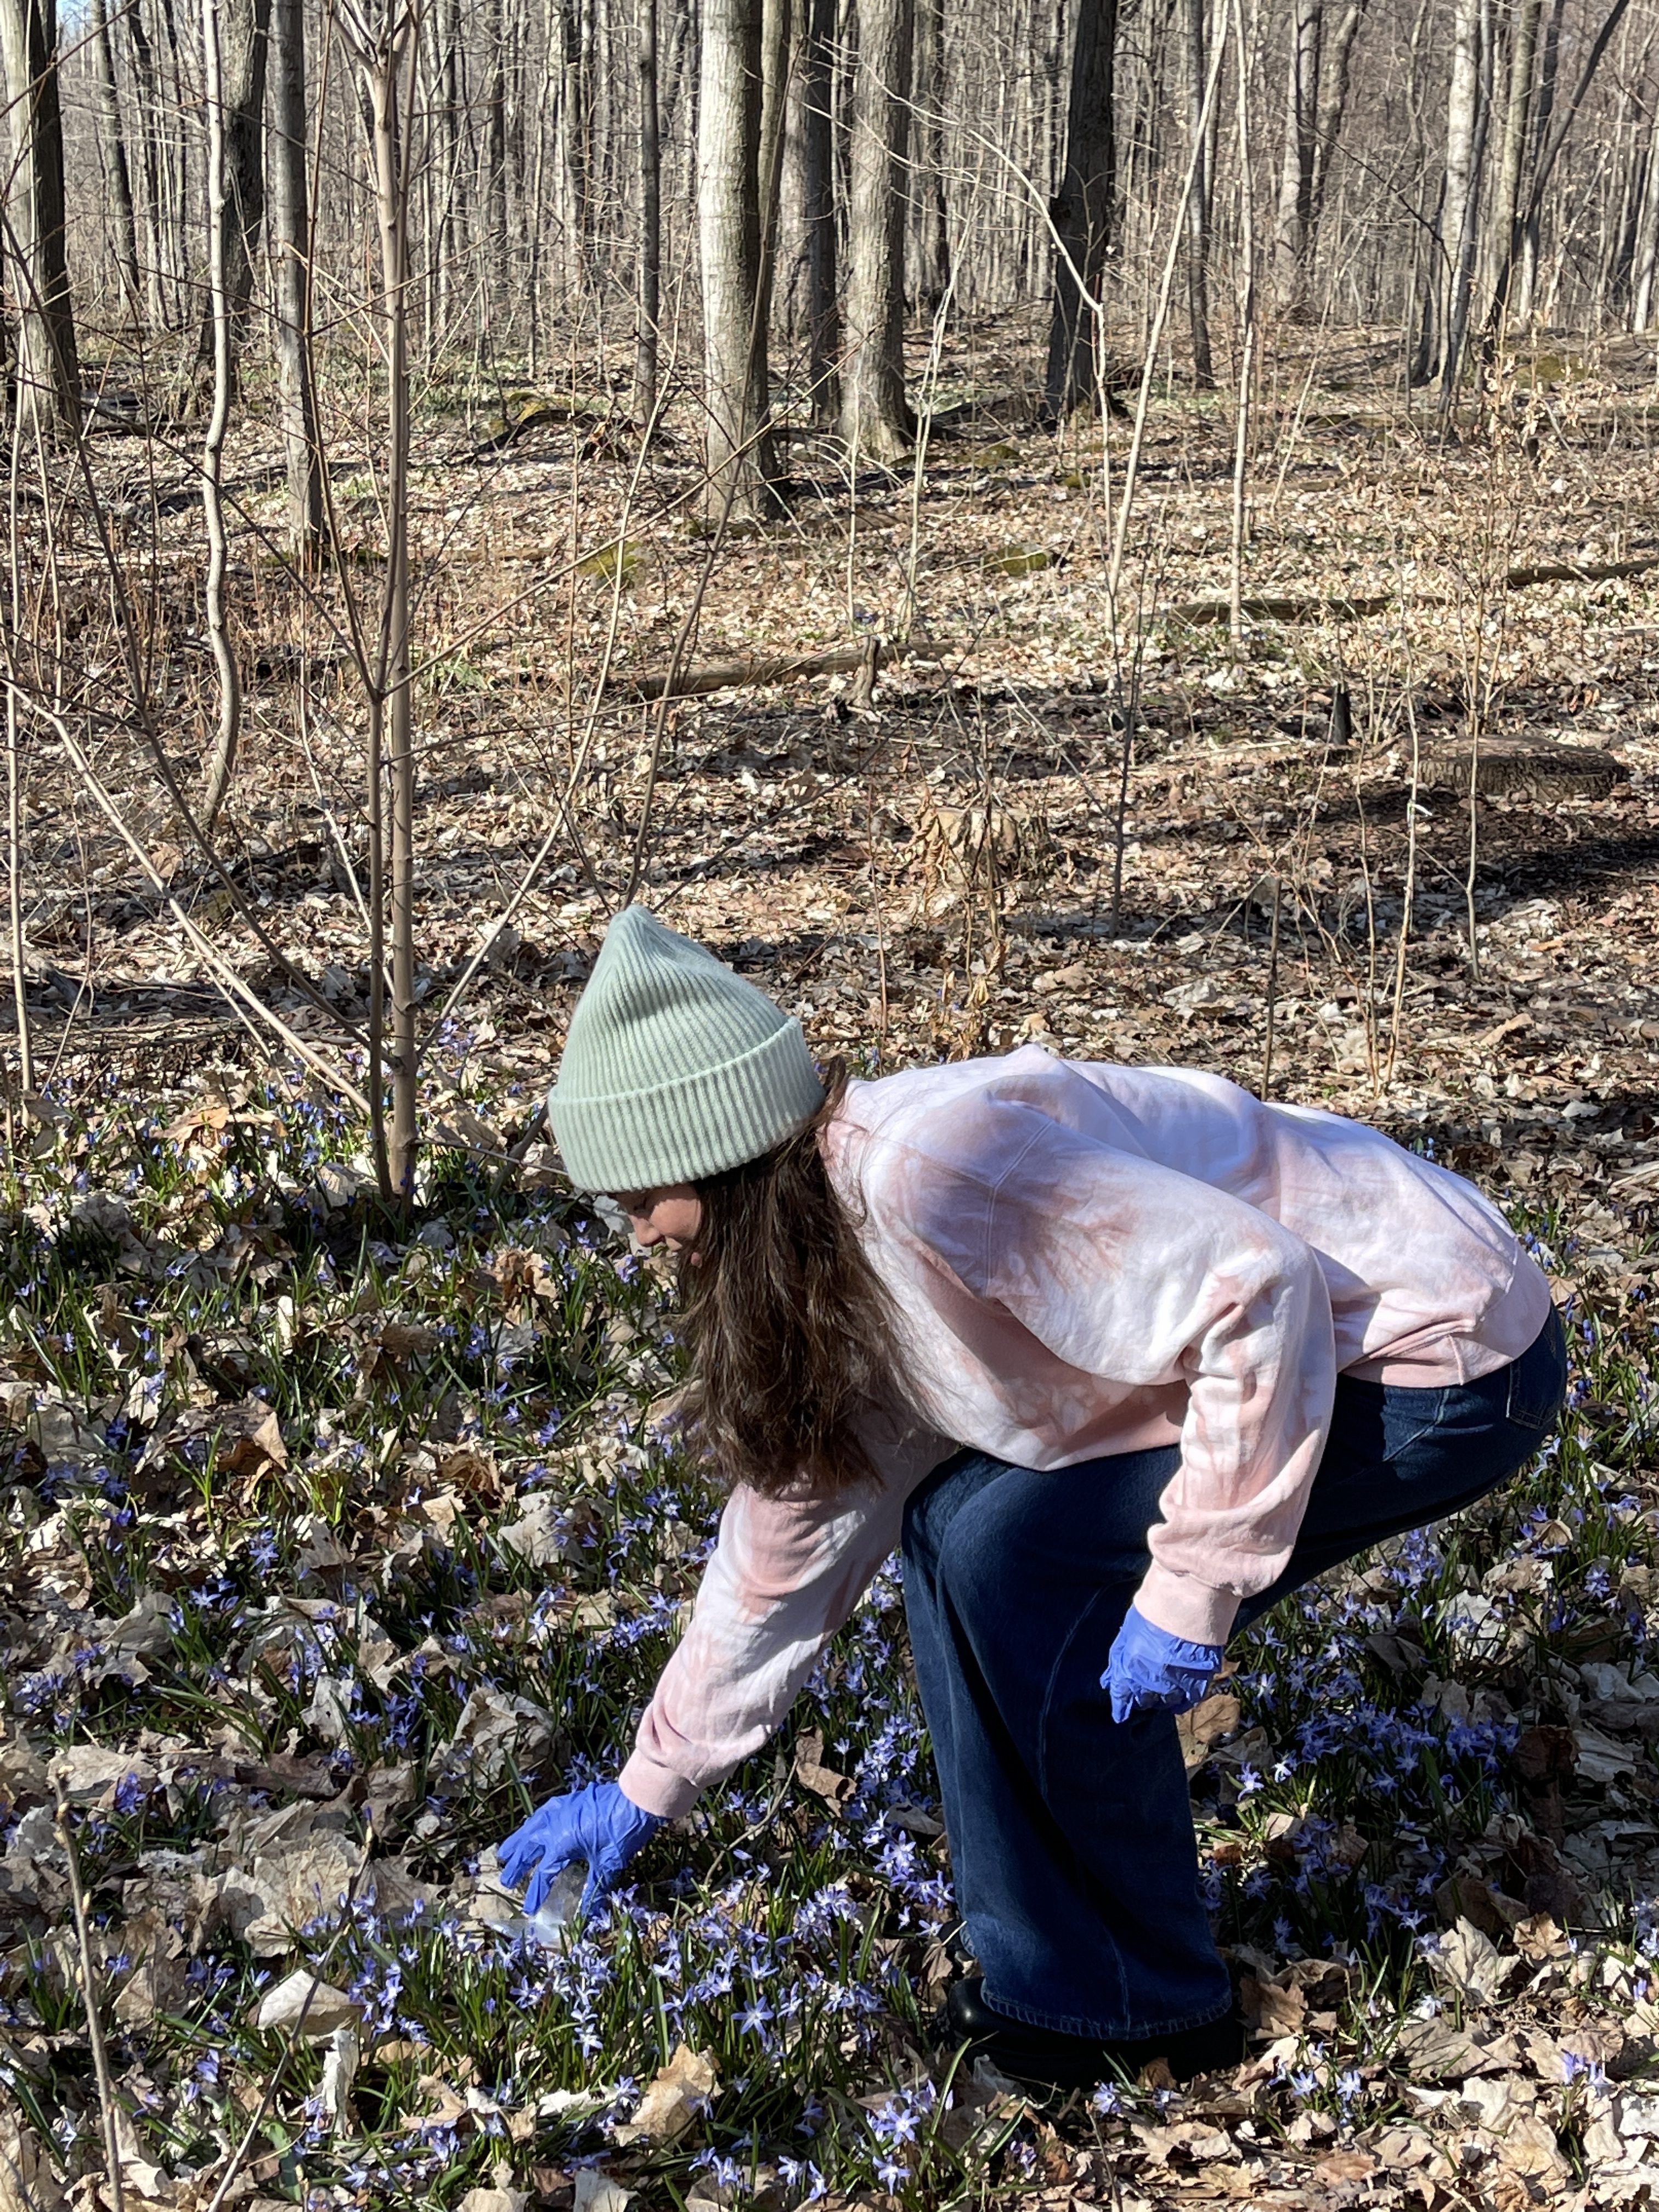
<point>329,1542</point>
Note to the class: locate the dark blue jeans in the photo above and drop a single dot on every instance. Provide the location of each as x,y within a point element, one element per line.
<point>1070,1836</point>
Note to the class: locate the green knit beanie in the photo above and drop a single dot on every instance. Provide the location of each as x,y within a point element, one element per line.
<point>674,1068</point>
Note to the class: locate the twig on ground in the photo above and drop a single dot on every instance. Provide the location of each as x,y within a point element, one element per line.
<point>107,2109</point>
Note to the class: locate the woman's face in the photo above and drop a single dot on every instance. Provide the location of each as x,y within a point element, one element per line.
<point>670,1216</point>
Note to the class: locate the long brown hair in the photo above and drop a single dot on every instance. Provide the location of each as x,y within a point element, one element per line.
<point>792,1332</point>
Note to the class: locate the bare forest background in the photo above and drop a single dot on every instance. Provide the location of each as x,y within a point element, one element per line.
<point>339,271</point>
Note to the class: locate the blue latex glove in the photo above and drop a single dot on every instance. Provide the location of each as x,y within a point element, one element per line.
<point>597,1824</point>
<point>1152,1671</point>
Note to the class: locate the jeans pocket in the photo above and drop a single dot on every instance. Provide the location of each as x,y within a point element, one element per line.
<point>1538,1380</point>
<point>1408,1415</point>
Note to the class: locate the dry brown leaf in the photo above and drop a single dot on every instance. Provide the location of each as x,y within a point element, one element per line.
<point>1200,2142</point>
<point>90,1772</point>
<point>1345,2165</point>
<point>1274,2010</point>
<point>542,1535</point>
<point>598,2192</point>
<point>1435,2050</point>
<point>27,2182</point>
<point>472,1471</point>
<point>398,1340</point>
<point>1525,2144</point>
<point>1404,2149</point>
<point>22,1773</point>
<point>813,1774</point>
<point>341,2055</point>
<point>157,1982</point>
<point>1204,1727</point>
<point>675,2100</point>
<point>253,1446</point>
<point>313,2005</point>
<point>1471,1963</point>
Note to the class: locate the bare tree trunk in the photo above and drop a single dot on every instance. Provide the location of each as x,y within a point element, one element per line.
<point>144,64</point>
<point>247,25</point>
<point>1465,132</point>
<point>178,200</point>
<point>1616,278</point>
<point>1506,218</point>
<point>576,104</point>
<point>1644,263</point>
<point>676,74</point>
<point>1198,204</point>
<point>244,29</point>
<point>290,243</point>
<point>777,62</point>
<point>391,202</point>
<point>119,174</point>
<point>1248,334</point>
<point>48,365</point>
<point>1463,274</point>
<point>1294,219</point>
<point>1083,208</point>
<point>223,761</point>
<point>738,439</point>
<point>1333,105</point>
<point>1551,137</point>
<point>451,228</point>
<point>538,191</point>
<point>495,192</point>
<point>391,734</point>
<point>1548,70</point>
<point>875,415</point>
<point>930,237</point>
<point>818,130</point>
<point>650,300</point>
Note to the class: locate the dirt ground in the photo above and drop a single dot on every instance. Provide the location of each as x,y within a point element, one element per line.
<point>938,872</point>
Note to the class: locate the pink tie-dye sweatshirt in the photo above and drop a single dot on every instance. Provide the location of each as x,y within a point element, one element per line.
<point>1090,1260</point>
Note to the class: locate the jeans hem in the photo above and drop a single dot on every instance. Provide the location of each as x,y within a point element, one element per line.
<point>1091,2030</point>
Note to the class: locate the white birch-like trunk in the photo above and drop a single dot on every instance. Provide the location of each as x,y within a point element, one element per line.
<point>1458,208</point>
<point>1645,260</point>
<point>1292,224</point>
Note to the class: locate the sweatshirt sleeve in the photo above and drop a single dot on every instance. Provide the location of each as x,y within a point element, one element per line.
<point>784,1576</point>
<point>1140,1275</point>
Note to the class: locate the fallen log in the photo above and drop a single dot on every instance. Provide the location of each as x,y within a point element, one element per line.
<point>873,654</point>
<point>1353,609</point>
<point>1277,610</point>
<point>1516,767</point>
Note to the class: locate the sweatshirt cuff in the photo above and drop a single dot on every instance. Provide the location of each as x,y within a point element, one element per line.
<point>654,1788</point>
<point>1184,1607</point>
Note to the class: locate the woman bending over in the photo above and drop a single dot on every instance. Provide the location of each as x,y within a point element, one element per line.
<point>1117,1356</point>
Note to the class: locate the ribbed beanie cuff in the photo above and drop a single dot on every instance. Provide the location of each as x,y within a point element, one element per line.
<point>675,1068</point>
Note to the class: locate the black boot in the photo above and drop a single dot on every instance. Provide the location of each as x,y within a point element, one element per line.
<point>1042,2058</point>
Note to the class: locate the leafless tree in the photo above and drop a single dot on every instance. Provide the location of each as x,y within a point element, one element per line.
<point>876,419</point>
<point>46,363</point>
<point>118,172</point>
<point>740,459</point>
<point>290,244</point>
<point>1084,208</point>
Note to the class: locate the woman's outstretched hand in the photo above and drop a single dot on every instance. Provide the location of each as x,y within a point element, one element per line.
<point>597,1824</point>
<point>1152,1671</point>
